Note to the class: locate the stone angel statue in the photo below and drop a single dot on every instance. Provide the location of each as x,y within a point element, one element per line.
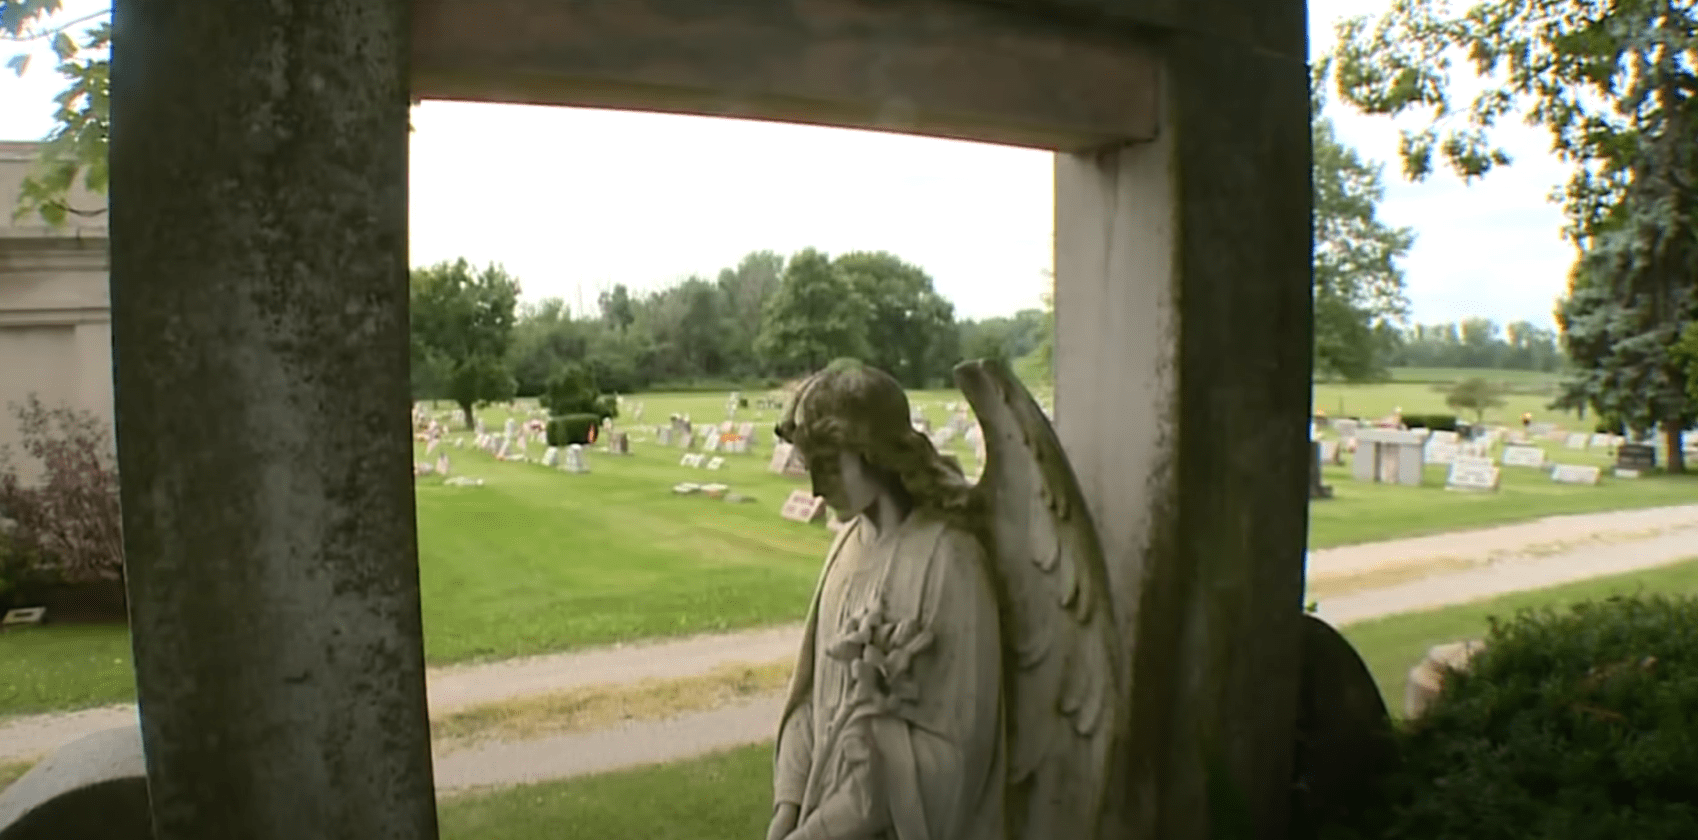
<point>959,677</point>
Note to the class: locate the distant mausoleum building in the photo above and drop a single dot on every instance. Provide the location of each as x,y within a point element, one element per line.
<point>55,324</point>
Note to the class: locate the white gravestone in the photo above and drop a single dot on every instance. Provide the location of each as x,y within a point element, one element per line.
<point>1515,455</point>
<point>1472,474</point>
<point>711,444</point>
<point>715,462</point>
<point>1442,436</point>
<point>1575,441</point>
<point>1575,474</point>
<point>576,461</point>
<point>550,457</point>
<point>691,459</point>
<point>1602,440</point>
<point>1440,452</point>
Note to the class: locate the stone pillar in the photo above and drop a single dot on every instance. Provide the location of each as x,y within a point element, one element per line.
<point>1182,391</point>
<point>259,315</point>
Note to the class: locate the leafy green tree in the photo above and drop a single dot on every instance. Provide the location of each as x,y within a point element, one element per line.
<point>746,288</point>
<point>617,310</point>
<point>462,330</point>
<point>1358,283</point>
<point>1687,353</point>
<point>910,328</point>
<point>573,390</point>
<point>1476,395</point>
<point>76,147</point>
<point>1614,84</point>
<point>814,316</point>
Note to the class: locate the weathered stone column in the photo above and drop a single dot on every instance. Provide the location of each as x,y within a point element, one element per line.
<point>1182,394</point>
<point>259,309</point>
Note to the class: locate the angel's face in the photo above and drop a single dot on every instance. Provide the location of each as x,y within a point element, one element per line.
<point>844,481</point>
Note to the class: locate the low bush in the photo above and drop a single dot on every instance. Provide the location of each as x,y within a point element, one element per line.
<point>1433,422</point>
<point>64,523</point>
<point>1575,725</point>
<point>573,428</point>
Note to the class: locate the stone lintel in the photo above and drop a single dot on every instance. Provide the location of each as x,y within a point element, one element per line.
<point>937,68</point>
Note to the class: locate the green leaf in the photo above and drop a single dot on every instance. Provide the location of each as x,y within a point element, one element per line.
<point>63,46</point>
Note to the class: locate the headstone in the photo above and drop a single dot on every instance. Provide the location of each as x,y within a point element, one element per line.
<point>1440,452</point>
<point>803,506</point>
<point>1345,427</point>
<point>23,615</point>
<point>511,427</point>
<point>1443,436</point>
<point>691,459</point>
<point>1472,474</point>
<point>620,444</point>
<point>1517,455</point>
<point>1576,441</point>
<point>94,788</point>
<point>551,456</point>
<point>663,436</point>
<point>576,460</point>
<point>711,444</point>
<point>442,464</point>
<point>1330,452</point>
<point>1345,741</point>
<point>746,433</point>
<point>787,461</point>
<point>1636,456</point>
<point>1625,473</point>
<point>1318,489</point>
<point>1602,440</point>
<point>715,462</point>
<point>1389,456</point>
<point>431,447</point>
<point>1575,474</point>
<point>1427,678</point>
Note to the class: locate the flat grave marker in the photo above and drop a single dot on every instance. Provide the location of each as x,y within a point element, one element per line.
<point>804,507</point>
<point>1467,473</point>
<point>1516,455</point>
<point>1575,474</point>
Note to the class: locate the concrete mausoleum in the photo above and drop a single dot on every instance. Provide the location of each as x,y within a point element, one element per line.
<point>259,262</point>
<point>55,326</point>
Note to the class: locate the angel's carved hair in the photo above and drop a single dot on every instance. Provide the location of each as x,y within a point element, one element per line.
<point>852,407</point>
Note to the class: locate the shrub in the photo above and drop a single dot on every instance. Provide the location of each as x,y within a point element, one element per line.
<point>1576,725</point>
<point>66,526</point>
<point>572,428</point>
<point>573,390</point>
<point>1433,422</point>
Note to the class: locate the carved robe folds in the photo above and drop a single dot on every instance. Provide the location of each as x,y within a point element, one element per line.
<point>893,728</point>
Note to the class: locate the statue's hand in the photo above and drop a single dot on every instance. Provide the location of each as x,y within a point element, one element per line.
<point>784,820</point>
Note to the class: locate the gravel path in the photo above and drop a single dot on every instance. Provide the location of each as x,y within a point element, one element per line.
<point>1493,561</point>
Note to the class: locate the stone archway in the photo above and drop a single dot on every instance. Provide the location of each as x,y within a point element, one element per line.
<point>259,262</point>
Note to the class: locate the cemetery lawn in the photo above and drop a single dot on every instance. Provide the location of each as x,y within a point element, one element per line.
<point>537,560</point>
<point>728,795</point>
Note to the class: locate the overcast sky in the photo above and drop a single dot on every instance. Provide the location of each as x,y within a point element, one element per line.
<point>573,201</point>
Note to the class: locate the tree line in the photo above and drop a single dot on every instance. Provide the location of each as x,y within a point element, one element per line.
<point>1477,343</point>
<point>767,319</point>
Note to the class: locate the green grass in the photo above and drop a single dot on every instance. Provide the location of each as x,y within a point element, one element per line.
<point>728,795</point>
<point>1361,512</point>
<point>538,560</point>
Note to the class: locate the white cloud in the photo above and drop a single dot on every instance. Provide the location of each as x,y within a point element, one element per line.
<point>575,200</point>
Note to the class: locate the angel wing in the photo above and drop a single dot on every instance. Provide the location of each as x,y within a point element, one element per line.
<point>1066,695</point>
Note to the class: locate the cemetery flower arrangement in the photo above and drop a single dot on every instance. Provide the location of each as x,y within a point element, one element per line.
<point>1577,724</point>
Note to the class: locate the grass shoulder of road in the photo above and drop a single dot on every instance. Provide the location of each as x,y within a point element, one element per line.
<point>537,560</point>
<point>729,795</point>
